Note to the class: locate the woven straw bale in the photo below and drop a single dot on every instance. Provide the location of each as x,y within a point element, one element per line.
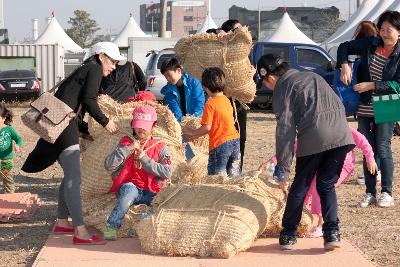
<point>96,180</point>
<point>204,220</point>
<point>95,211</point>
<point>195,123</point>
<point>230,53</point>
<point>276,199</point>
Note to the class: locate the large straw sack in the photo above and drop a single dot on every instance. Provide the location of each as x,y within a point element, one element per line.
<point>202,220</point>
<point>95,211</point>
<point>230,53</point>
<point>96,179</point>
<point>195,123</point>
<point>263,188</point>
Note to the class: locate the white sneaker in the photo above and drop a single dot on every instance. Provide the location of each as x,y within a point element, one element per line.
<point>378,177</point>
<point>385,200</point>
<point>368,199</point>
<point>361,178</point>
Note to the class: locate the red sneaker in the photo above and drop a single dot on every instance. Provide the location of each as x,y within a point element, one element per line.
<point>94,240</point>
<point>59,230</point>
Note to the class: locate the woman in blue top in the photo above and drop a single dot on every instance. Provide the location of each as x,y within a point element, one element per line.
<point>380,63</point>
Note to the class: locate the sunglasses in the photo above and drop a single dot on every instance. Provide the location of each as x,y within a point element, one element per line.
<point>112,61</point>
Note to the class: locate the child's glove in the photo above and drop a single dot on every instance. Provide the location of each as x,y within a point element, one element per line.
<point>280,178</point>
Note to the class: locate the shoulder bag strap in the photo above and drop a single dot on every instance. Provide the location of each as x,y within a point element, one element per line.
<point>63,80</point>
<point>60,82</point>
<point>395,86</point>
<point>135,81</point>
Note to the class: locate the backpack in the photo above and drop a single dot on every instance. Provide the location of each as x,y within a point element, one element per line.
<point>347,95</point>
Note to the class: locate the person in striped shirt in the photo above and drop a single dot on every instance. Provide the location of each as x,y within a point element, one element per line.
<point>380,64</point>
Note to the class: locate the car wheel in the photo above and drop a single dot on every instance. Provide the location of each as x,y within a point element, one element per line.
<point>265,105</point>
<point>396,130</point>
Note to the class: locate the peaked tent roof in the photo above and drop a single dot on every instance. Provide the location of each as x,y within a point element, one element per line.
<point>365,7</point>
<point>395,6</point>
<point>373,15</point>
<point>54,34</point>
<point>131,29</point>
<point>207,24</point>
<point>287,32</point>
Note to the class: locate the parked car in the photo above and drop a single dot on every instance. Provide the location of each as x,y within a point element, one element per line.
<point>303,57</point>
<point>19,85</point>
<point>155,80</point>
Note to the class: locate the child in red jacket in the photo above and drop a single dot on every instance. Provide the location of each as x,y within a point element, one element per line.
<point>140,164</point>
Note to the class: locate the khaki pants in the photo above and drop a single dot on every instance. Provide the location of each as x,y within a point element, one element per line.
<point>6,175</point>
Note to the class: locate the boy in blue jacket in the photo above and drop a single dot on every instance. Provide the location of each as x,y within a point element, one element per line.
<point>183,94</point>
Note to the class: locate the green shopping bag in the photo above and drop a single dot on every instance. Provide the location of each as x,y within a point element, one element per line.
<point>387,107</point>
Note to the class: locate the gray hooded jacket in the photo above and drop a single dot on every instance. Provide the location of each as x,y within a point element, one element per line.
<point>306,106</point>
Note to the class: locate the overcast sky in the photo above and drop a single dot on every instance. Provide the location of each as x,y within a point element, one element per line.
<point>113,14</point>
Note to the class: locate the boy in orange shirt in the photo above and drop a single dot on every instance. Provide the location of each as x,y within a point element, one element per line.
<point>218,123</point>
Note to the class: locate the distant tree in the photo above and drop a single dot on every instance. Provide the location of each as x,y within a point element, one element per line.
<point>83,29</point>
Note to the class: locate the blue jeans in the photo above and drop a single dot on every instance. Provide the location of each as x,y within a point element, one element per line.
<point>129,194</point>
<point>379,137</point>
<point>225,159</point>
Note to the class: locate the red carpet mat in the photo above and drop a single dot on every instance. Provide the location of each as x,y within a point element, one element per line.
<point>59,251</point>
<point>18,206</point>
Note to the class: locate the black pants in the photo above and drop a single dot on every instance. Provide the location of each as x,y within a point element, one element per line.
<point>242,121</point>
<point>326,166</point>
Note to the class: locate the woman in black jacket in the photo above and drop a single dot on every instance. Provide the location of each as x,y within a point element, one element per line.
<point>124,82</point>
<point>380,63</point>
<point>81,88</point>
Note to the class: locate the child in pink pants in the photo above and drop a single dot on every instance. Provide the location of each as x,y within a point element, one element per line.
<point>348,167</point>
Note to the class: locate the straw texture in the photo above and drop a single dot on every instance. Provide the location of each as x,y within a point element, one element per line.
<point>96,180</point>
<point>95,211</point>
<point>203,220</point>
<point>200,51</point>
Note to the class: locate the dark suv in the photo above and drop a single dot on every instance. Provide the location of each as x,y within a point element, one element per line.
<point>303,57</point>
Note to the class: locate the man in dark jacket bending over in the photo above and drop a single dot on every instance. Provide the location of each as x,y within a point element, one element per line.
<point>307,108</point>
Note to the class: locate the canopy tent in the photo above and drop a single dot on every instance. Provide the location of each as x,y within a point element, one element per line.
<point>131,29</point>
<point>354,20</point>
<point>373,15</point>
<point>287,32</point>
<point>395,6</point>
<point>54,34</point>
<point>208,21</point>
<point>207,24</point>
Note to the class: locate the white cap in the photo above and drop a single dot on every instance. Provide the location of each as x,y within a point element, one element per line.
<point>108,48</point>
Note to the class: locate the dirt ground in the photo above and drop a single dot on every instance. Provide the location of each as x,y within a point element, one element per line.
<point>374,230</point>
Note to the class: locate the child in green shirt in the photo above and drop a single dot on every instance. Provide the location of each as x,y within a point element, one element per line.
<point>7,136</point>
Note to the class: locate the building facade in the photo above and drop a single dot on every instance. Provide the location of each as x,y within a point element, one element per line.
<point>183,17</point>
<point>317,23</point>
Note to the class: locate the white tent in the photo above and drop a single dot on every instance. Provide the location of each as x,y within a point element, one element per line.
<point>354,20</point>
<point>208,21</point>
<point>54,34</point>
<point>373,15</point>
<point>287,32</point>
<point>131,29</point>
<point>207,24</point>
<point>395,6</point>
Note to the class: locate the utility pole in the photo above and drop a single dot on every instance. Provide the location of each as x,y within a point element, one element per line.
<point>259,21</point>
<point>163,24</point>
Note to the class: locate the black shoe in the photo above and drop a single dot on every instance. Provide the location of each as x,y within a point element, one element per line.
<point>332,240</point>
<point>287,242</point>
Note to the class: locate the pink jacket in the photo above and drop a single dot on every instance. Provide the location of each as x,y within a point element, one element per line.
<point>347,170</point>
